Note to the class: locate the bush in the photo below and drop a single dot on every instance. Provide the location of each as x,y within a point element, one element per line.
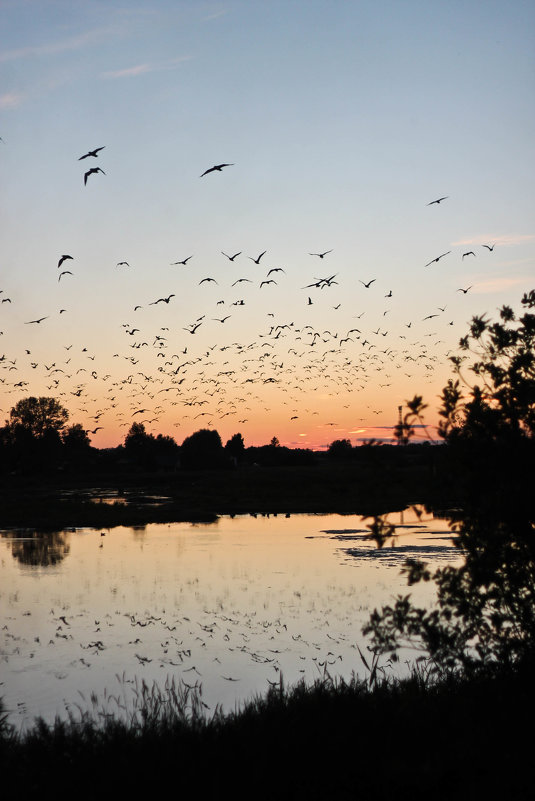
<point>485,611</point>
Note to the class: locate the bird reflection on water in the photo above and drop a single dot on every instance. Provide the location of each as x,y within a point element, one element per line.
<point>235,604</point>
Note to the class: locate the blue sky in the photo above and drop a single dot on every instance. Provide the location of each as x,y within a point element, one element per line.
<point>342,121</point>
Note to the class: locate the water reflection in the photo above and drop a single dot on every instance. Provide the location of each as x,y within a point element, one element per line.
<point>231,605</point>
<point>38,549</point>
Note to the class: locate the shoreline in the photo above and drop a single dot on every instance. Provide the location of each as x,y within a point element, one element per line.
<point>106,501</point>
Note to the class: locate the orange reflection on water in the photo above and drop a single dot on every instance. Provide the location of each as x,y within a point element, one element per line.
<point>230,605</point>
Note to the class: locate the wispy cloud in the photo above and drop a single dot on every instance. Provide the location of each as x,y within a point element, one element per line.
<point>128,72</point>
<point>496,239</point>
<point>52,48</point>
<point>215,15</point>
<point>11,100</point>
<point>143,69</point>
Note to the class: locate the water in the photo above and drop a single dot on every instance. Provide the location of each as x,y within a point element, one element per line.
<point>229,606</point>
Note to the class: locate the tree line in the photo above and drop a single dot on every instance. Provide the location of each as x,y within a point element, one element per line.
<point>37,437</point>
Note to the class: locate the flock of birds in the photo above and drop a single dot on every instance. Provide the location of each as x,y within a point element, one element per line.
<point>286,363</point>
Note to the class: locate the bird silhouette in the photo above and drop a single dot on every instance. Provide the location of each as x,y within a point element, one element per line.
<point>231,258</point>
<point>40,320</point>
<point>193,328</point>
<point>92,171</point>
<point>321,255</point>
<point>161,300</point>
<point>438,258</point>
<point>218,167</point>
<point>207,279</point>
<point>257,260</point>
<point>465,290</point>
<point>469,253</point>
<point>63,258</point>
<point>184,261</point>
<point>438,200</point>
<point>368,285</point>
<point>489,247</point>
<point>65,272</point>
<point>93,153</point>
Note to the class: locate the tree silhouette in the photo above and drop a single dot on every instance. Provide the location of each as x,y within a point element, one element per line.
<point>31,439</point>
<point>75,438</point>
<point>203,449</point>
<point>150,452</point>
<point>484,617</point>
<point>235,446</point>
<point>38,416</point>
<point>340,449</point>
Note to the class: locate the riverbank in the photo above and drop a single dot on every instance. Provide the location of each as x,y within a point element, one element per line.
<point>459,739</point>
<point>107,500</point>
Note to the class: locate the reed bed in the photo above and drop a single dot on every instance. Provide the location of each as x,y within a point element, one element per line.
<point>373,739</point>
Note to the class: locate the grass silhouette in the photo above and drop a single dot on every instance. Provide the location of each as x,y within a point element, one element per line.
<point>380,739</point>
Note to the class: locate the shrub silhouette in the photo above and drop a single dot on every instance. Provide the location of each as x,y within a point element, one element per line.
<point>484,617</point>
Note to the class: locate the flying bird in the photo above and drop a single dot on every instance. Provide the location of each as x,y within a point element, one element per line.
<point>271,281</point>
<point>489,247</point>
<point>65,272</point>
<point>63,258</point>
<point>469,253</point>
<point>218,167</point>
<point>93,153</point>
<point>368,285</point>
<point>40,320</point>
<point>438,200</point>
<point>257,260</point>
<point>231,258</point>
<point>207,279</point>
<point>184,261</point>
<point>92,171</point>
<point>437,258</point>
<point>161,300</point>
<point>464,290</point>
<point>122,264</point>
<point>321,255</point>
<point>240,280</point>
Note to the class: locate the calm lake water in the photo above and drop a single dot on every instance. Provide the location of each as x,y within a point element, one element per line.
<point>229,605</point>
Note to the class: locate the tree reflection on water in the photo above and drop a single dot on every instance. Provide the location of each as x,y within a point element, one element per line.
<point>38,549</point>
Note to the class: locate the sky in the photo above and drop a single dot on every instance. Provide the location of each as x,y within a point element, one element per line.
<point>340,123</point>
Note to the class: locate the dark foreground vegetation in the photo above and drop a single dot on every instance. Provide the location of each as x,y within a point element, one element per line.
<point>459,728</point>
<point>457,740</point>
